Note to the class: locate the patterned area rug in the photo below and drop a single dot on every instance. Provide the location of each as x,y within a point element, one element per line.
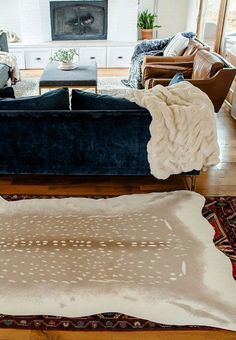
<point>106,85</point>
<point>221,214</point>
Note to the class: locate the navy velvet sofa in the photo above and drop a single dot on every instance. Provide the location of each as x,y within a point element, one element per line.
<point>107,142</point>
<point>74,142</point>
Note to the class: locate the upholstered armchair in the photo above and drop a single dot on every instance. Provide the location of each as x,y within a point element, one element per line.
<point>208,71</point>
<point>181,62</point>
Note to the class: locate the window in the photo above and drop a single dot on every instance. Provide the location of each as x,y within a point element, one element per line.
<point>229,37</point>
<point>210,15</point>
<point>217,26</point>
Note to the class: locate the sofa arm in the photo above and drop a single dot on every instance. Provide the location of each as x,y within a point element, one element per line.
<point>166,71</point>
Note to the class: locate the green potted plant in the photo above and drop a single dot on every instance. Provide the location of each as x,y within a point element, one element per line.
<point>65,58</point>
<point>146,21</point>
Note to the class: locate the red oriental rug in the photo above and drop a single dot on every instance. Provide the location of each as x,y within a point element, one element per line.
<point>221,214</point>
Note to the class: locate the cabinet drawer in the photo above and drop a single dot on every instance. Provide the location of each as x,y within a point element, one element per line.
<point>119,56</point>
<point>37,58</point>
<point>98,54</point>
<point>20,57</point>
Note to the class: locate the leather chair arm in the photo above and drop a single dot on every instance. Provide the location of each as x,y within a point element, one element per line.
<point>156,59</point>
<point>166,71</point>
<point>151,82</point>
<point>167,64</point>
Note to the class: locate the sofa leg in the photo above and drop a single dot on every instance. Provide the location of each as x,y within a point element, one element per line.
<point>191,182</point>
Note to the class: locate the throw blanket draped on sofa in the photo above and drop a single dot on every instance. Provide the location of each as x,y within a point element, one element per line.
<point>183,128</point>
<point>10,61</point>
<point>147,47</point>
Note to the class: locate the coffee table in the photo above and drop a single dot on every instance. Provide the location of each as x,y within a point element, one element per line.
<point>83,76</point>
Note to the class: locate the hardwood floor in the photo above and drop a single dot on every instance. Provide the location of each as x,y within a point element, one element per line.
<point>6,334</point>
<point>219,180</point>
<point>102,72</point>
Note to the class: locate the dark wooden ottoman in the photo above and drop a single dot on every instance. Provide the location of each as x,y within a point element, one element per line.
<point>83,76</point>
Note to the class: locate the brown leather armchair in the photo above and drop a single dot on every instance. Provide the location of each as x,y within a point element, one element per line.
<point>193,47</point>
<point>208,71</point>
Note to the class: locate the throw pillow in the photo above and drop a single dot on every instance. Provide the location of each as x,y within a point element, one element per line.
<point>90,101</point>
<point>176,46</point>
<point>7,92</point>
<point>177,78</point>
<point>53,100</point>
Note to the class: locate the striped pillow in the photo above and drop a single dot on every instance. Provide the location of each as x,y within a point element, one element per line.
<point>176,46</point>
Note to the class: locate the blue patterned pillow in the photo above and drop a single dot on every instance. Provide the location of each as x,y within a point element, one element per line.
<point>177,78</point>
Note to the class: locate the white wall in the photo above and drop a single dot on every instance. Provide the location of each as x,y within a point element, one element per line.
<point>34,19</point>
<point>193,11</point>
<point>9,16</point>
<point>146,4</point>
<point>173,15</point>
<point>122,20</point>
<point>31,24</point>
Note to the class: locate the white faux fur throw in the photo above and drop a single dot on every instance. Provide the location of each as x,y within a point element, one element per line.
<point>149,256</point>
<point>183,128</point>
<point>10,60</point>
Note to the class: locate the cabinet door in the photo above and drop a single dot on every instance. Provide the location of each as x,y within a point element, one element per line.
<point>98,54</point>
<point>37,58</point>
<point>20,57</point>
<point>119,56</point>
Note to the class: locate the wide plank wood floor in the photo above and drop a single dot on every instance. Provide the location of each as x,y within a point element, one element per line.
<point>219,180</point>
<point>139,335</point>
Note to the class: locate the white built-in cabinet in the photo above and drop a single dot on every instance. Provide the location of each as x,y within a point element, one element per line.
<point>37,58</point>
<point>119,56</point>
<point>98,54</point>
<point>30,57</point>
<point>20,57</point>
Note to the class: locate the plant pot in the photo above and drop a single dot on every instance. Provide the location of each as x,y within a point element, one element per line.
<point>147,34</point>
<point>66,66</point>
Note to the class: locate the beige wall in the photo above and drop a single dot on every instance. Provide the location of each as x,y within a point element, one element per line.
<point>173,15</point>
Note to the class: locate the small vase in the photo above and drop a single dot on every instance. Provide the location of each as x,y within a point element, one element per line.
<point>66,66</point>
<point>147,34</point>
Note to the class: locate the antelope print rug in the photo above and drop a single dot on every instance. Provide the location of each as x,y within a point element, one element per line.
<point>150,256</point>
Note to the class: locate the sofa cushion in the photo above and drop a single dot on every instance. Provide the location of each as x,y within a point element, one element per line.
<point>206,65</point>
<point>90,101</point>
<point>193,47</point>
<point>176,46</point>
<point>177,78</point>
<point>53,100</point>
<point>7,92</point>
